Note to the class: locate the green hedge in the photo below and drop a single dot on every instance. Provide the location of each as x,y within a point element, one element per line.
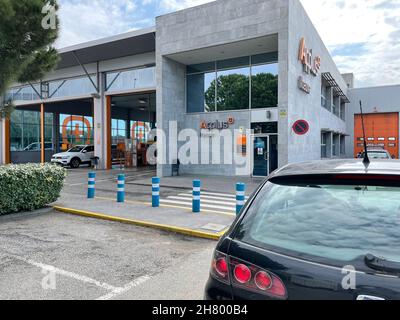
<point>29,187</point>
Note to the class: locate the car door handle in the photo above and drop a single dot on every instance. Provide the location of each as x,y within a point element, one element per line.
<point>369,298</point>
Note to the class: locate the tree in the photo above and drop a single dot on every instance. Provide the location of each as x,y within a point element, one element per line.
<point>233,92</point>
<point>264,90</point>
<point>28,28</point>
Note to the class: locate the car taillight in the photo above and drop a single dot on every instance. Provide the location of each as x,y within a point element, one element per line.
<point>263,280</point>
<point>253,278</point>
<point>247,276</point>
<point>219,268</point>
<point>242,273</point>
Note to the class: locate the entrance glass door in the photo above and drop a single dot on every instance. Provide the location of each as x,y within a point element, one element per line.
<point>261,156</point>
<point>265,159</point>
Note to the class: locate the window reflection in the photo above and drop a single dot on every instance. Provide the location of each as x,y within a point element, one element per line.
<point>264,86</point>
<point>225,85</point>
<point>75,130</point>
<point>233,89</point>
<point>25,131</point>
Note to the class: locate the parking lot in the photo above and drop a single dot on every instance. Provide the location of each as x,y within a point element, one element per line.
<point>50,255</point>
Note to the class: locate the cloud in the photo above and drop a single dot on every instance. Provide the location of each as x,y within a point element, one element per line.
<point>363,36</point>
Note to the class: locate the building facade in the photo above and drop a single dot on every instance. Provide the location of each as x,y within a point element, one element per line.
<point>381,107</point>
<point>253,75</point>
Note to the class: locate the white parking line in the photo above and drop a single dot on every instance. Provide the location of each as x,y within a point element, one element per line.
<point>129,286</point>
<point>64,273</point>
<point>115,291</point>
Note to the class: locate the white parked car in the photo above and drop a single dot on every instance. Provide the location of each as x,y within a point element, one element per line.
<point>75,156</point>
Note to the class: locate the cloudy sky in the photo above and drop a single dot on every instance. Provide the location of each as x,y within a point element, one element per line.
<point>363,36</point>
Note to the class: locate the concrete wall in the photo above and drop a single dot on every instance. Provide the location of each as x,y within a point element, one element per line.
<point>213,24</point>
<point>376,99</point>
<point>303,106</point>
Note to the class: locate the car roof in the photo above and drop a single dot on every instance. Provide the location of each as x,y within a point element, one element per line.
<point>351,166</point>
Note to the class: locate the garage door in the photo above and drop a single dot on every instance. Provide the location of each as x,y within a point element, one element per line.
<point>382,131</point>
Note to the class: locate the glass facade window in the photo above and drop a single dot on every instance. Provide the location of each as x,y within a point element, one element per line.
<point>233,84</point>
<point>233,89</point>
<point>264,86</point>
<point>57,89</point>
<point>324,145</point>
<point>24,93</point>
<point>265,127</point>
<point>131,79</point>
<point>118,131</point>
<point>71,87</point>
<point>25,131</point>
<point>140,131</point>
<point>75,130</point>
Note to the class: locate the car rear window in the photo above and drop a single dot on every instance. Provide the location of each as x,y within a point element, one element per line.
<point>339,222</point>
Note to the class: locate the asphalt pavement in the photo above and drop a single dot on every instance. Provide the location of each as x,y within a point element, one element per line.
<point>49,256</point>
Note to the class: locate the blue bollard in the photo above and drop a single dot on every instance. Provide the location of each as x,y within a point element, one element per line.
<point>121,188</point>
<point>155,192</point>
<point>240,197</point>
<point>196,196</point>
<point>91,185</point>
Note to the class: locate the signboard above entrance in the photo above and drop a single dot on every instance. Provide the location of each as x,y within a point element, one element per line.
<point>311,64</point>
<point>217,125</point>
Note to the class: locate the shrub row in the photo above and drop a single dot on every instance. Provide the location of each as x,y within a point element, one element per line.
<point>29,187</point>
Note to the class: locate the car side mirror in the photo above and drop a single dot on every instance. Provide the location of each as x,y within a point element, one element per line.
<point>84,151</point>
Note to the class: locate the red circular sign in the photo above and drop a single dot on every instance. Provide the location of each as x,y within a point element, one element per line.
<point>301,127</point>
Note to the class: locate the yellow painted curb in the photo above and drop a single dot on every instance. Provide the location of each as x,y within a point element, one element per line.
<point>184,231</point>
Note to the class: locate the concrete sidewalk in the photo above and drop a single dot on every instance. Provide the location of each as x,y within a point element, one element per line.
<point>208,183</point>
<point>207,224</point>
<point>218,201</point>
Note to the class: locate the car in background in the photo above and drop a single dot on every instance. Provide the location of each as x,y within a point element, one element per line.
<point>36,146</point>
<point>377,154</point>
<point>75,156</point>
<point>325,230</point>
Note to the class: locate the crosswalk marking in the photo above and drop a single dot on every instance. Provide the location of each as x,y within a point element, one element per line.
<point>209,200</point>
<point>226,195</point>
<point>205,200</point>
<point>228,209</point>
<point>209,197</point>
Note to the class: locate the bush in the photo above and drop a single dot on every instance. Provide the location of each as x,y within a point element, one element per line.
<point>29,187</point>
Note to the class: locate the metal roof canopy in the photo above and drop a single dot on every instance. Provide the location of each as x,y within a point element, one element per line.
<point>327,76</point>
<point>126,44</point>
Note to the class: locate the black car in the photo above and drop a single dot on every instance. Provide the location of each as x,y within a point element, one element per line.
<point>326,230</point>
